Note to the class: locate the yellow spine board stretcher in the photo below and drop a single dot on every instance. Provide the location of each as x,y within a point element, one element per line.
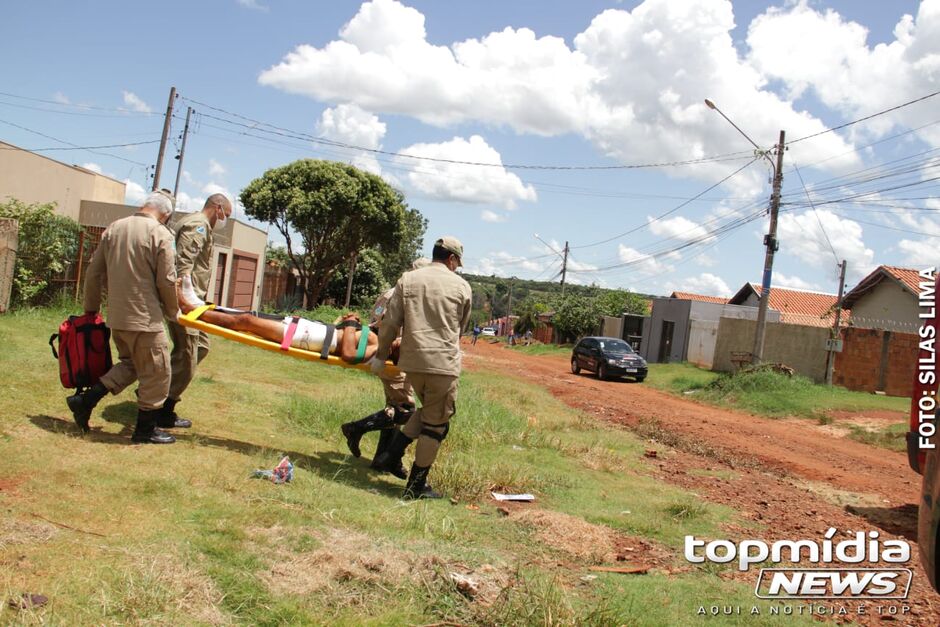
<point>192,321</point>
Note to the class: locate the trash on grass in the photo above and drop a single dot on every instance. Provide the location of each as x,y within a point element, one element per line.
<point>512,497</point>
<point>282,473</point>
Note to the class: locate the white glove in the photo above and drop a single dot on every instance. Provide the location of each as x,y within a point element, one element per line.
<point>377,365</point>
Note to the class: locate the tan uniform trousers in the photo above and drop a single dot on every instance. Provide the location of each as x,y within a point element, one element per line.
<point>143,356</point>
<point>189,349</point>
<point>398,390</point>
<point>438,396</point>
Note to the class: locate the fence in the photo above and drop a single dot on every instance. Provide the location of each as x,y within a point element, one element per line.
<point>876,360</point>
<point>801,347</point>
<point>9,237</point>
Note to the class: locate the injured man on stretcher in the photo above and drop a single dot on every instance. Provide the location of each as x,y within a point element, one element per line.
<point>309,335</point>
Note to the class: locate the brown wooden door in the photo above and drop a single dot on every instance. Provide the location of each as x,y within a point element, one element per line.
<point>241,286</point>
<point>219,278</point>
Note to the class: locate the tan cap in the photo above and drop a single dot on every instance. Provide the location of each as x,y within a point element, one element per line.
<point>451,244</point>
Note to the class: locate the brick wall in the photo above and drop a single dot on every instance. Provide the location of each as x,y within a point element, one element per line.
<point>870,361</point>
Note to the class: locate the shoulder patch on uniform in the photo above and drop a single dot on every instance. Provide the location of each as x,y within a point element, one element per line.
<point>201,230</point>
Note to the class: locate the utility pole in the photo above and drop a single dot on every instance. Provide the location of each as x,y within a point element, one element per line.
<point>166,133</point>
<point>770,241</point>
<point>564,269</point>
<point>179,167</point>
<point>349,281</point>
<point>509,309</point>
<point>831,362</point>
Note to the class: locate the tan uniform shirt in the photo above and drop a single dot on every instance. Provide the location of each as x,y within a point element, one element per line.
<point>432,305</point>
<point>136,264</point>
<point>194,250</point>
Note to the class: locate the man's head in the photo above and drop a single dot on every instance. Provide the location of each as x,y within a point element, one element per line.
<point>448,251</point>
<point>217,209</point>
<point>159,204</point>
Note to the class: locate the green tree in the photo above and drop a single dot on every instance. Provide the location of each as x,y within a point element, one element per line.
<point>327,212</point>
<point>48,244</point>
<point>575,316</point>
<point>368,281</point>
<point>276,255</point>
<point>617,302</point>
<point>410,242</point>
<point>528,311</point>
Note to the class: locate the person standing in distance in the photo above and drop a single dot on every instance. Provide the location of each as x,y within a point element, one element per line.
<point>193,257</point>
<point>135,263</point>
<point>432,306</point>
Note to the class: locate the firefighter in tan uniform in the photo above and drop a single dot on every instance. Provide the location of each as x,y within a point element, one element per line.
<point>432,305</point>
<point>399,395</point>
<point>135,263</point>
<point>193,258</point>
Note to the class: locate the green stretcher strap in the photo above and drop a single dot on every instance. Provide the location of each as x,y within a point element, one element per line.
<point>363,344</point>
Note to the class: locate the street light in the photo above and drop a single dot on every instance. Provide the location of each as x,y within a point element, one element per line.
<point>770,240</point>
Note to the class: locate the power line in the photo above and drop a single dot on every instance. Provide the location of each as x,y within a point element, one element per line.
<point>154,141</point>
<point>79,106</point>
<point>671,211</point>
<point>253,124</point>
<point>816,213</point>
<point>74,146</point>
<point>867,117</point>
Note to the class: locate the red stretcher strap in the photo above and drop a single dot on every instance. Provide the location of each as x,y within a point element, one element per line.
<point>289,333</point>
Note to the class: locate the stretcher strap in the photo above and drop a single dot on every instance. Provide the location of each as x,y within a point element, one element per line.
<point>363,343</point>
<point>327,342</point>
<point>198,311</point>
<point>289,333</point>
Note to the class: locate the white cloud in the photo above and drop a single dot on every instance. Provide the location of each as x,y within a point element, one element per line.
<point>134,193</point>
<point>641,262</point>
<point>921,253</point>
<point>794,282</point>
<point>633,82</point>
<point>491,216</point>
<point>61,98</point>
<point>802,236</point>
<point>706,284</point>
<point>502,263</point>
<point>254,5</point>
<point>216,168</point>
<point>134,103</point>
<point>94,167</point>
<point>821,51</point>
<point>350,124</point>
<point>442,180</point>
<point>678,228</point>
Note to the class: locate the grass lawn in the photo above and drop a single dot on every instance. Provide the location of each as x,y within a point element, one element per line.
<point>180,535</point>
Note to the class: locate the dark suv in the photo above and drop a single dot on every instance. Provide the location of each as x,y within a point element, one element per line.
<point>607,356</point>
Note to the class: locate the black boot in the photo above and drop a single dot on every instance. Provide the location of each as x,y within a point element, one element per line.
<point>417,486</point>
<point>168,418</point>
<point>385,439</point>
<point>389,460</point>
<point>82,403</point>
<point>146,431</point>
<point>353,431</point>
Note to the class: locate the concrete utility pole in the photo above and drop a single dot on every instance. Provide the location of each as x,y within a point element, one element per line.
<point>509,309</point>
<point>179,167</point>
<point>166,133</point>
<point>770,241</point>
<point>564,269</point>
<point>831,362</point>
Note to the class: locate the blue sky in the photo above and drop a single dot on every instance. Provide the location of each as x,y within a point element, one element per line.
<point>594,85</point>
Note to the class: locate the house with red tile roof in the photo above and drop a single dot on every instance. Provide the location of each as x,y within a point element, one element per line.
<point>699,297</point>
<point>814,309</point>
<point>886,299</point>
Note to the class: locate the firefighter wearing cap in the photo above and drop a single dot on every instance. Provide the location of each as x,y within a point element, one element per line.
<point>399,395</point>
<point>193,258</point>
<point>432,306</point>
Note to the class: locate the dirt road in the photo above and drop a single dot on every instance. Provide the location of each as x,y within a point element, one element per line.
<point>792,476</point>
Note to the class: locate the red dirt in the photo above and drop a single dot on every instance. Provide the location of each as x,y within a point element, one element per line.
<point>774,464</point>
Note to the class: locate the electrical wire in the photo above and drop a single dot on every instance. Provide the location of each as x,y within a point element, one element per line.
<point>74,146</point>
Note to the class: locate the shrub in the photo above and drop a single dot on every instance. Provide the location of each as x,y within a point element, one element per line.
<point>48,243</point>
